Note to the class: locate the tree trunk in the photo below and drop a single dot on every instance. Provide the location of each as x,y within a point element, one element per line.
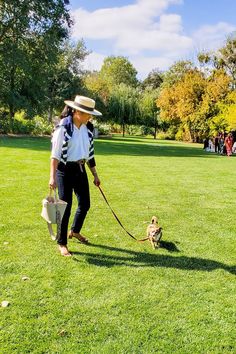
<point>155,132</point>
<point>50,112</point>
<point>12,88</point>
<point>123,129</point>
<point>155,126</point>
<point>11,111</point>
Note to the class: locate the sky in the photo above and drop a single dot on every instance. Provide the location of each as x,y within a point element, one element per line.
<point>152,34</point>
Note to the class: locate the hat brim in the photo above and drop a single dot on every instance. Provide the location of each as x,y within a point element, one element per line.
<point>94,112</point>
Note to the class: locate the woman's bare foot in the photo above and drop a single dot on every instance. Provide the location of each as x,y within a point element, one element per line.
<point>64,251</point>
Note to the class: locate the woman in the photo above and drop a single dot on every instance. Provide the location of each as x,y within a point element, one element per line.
<point>72,147</point>
<point>229,144</point>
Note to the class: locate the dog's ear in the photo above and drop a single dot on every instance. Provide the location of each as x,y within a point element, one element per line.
<point>154,220</point>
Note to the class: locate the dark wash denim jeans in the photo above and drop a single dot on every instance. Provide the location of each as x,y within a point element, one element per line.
<point>70,178</point>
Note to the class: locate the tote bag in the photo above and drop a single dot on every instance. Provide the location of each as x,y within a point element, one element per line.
<point>53,210</point>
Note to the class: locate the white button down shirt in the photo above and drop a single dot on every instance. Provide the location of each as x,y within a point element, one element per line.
<point>78,145</point>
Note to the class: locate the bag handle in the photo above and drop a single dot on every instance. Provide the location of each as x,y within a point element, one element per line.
<point>56,198</point>
<point>58,217</point>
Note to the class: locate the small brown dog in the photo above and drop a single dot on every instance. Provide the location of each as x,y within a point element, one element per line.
<point>154,233</point>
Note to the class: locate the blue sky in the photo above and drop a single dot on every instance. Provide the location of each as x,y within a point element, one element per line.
<point>151,33</point>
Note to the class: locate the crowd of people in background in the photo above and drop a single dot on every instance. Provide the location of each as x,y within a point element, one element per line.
<point>222,143</point>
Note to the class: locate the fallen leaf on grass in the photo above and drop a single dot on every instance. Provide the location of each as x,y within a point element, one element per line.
<point>62,333</point>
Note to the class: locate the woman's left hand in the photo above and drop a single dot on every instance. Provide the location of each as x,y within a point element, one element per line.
<point>96,181</point>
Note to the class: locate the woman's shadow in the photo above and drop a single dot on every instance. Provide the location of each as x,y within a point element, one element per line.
<point>124,257</point>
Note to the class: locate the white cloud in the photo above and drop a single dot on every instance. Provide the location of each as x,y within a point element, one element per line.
<point>212,37</point>
<point>133,28</point>
<point>145,33</point>
<point>162,41</point>
<point>144,65</point>
<point>93,61</point>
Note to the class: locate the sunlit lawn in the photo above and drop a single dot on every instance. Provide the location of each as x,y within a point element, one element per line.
<point>117,295</point>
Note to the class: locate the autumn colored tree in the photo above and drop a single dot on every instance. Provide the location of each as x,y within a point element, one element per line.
<point>176,72</point>
<point>192,102</point>
<point>225,119</point>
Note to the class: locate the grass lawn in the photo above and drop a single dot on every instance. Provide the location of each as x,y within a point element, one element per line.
<point>117,295</point>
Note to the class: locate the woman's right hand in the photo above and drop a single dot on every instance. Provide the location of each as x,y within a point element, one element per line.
<point>53,169</point>
<point>52,183</point>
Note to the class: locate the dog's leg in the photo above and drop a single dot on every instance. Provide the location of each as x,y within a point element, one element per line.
<point>153,245</point>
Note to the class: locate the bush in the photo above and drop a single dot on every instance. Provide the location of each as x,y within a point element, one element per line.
<point>21,125</point>
<point>103,128</point>
<point>132,129</point>
<point>41,126</point>
<point>4,122</point>
<point>168,135</point>
<point>146,130</point>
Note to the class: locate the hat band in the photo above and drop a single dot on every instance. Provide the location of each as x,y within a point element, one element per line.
<point>83,107</point>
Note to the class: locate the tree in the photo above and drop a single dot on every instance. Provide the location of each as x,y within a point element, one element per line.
<point>31,33</point>
<point>153,80</point>
<point>177,72</point>
<point>192,101</point>
<point>226,58</point>
<point>96,84</point>
<point>149,110</point>
<point>66,77</point>
<point>226,116</point>
<point>118,70</point>
<point>123,106</point>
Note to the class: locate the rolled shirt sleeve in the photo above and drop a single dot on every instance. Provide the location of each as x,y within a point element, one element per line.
<point>57,142</point>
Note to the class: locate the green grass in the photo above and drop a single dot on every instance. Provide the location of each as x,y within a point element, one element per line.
<point>117,295</point>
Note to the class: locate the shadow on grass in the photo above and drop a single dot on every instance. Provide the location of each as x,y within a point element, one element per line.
<point>142,259</point>
<point>117,146</point>
<point>114,146</point>
<point>149,148</point>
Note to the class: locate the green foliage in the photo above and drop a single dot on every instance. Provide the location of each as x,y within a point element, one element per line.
<point>133,129</point>
<point>103,128</point>
<point>193,102</point>
<point>176,72</point>
<point>153,80</point>
<point>118,295</point>
<point>66,78</point>
<point>118,70</point>
<point>149,110</point>
<point>31,33</point>
<point>123,105</point>
<point>146,130</point>
<point>226,115</point>
<point>226,58</point>
<point>21,125</point>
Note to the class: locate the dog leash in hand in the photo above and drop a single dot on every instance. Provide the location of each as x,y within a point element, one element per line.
<point>117,219</point>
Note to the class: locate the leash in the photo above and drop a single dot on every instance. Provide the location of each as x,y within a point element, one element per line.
<point>117,219</point>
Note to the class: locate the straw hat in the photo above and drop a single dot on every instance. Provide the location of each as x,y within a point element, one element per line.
<point>84,104</point>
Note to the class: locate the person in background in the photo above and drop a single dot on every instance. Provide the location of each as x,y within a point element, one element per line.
<point>72,148</point>
<point>221,143</point>
<point>229,144</point>
<point>216,143</point>
<point>234,148</point>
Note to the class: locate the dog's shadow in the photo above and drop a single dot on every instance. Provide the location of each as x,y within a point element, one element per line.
<point>169,246</point>
<point>113,256</point>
